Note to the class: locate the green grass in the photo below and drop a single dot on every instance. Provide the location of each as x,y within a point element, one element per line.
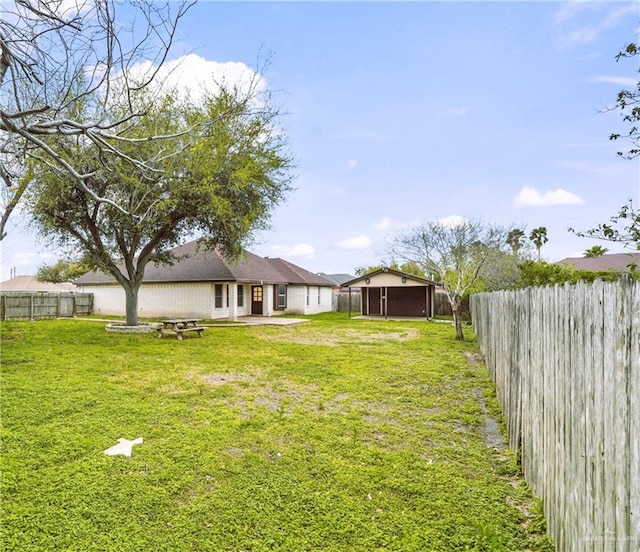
<point>331,435</point>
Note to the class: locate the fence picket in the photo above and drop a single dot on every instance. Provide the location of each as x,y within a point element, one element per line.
<point>566,364</point>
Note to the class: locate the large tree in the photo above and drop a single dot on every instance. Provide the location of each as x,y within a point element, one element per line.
<point>62,66</point>
<point>222,186</point>
<point>454,253</point>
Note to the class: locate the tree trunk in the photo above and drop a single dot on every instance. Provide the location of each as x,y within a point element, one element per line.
<point>457,321</point>
<point>131,296</point>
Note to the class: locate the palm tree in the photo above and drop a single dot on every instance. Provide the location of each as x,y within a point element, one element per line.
<point>539,237</point>
<point>514,240</point>
<point>595,251</point>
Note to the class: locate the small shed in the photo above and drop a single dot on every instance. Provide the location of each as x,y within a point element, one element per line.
<point>389,292</point>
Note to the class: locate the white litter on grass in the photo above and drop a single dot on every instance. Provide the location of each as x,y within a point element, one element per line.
<point>124,446</point>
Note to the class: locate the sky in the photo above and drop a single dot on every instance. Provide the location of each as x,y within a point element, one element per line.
<point>398,113</point>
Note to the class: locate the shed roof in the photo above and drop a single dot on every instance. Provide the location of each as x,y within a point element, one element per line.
<point>399,273</point>
<point>198,264</point>
<point>616,262</point>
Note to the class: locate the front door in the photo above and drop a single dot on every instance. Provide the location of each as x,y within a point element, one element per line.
<point>256,299</point>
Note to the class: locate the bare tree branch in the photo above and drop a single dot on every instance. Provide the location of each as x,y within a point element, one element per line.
<point>58,60</point>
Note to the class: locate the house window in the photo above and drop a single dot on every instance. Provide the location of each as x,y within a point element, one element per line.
<point>319,288</point>
<point>307,296</point>
<point>240,295</point>
<point>218,296</point>
<point>227,286</point>
<point>281,296</point>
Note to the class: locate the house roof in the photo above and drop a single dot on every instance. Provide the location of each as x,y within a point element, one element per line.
<point>197,264</point>
<point>616,262</point>
<point>384,269</point>
<point>30,283</point>
<point>337,279</point>
<point>298,275</point>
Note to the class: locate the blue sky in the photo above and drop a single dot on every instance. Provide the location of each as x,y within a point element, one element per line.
<point>399,112</point>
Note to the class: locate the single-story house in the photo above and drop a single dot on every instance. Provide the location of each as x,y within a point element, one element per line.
<point>389,292</point>
<point>614,262</point>
<point>30,283</point>
<point>203,284</point>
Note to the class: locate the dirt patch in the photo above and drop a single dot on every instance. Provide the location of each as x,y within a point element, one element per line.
<point>474,358</point>
<point>343,337</point>
<point>490,432</point>
<point>221,379</point>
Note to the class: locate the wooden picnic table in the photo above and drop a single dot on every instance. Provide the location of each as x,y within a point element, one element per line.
<point>179,326</point>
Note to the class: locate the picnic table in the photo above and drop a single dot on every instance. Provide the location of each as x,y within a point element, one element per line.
<point>179,326</point>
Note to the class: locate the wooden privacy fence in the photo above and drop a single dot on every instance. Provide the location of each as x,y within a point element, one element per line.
<point>566,364</point>
<point>28,305</point>
<point>341,302</point>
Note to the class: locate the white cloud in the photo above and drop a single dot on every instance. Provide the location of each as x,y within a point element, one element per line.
<point>454,112</point>
<point>575,29</point>
<point>452,221</point>
<point>618,81</point>
<point>351,164</point>
<point>299,250</point>
<point>196,75</point>
<point>531,197</point>
<point>384,224</point>
<point>359,242</point>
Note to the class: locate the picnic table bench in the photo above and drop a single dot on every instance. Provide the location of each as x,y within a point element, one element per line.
<point>179,326</point>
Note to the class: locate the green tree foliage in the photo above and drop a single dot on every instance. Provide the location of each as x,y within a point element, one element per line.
<point>455,254</point>
<point>595,251</point>
<point>222,186</point>
<point>61,271</point>
<point>539,237</point>
<point>500,271</point>
<point>623,228</point>
<point>540,273</point>
<point>515,240</point>
<point>628,102</point>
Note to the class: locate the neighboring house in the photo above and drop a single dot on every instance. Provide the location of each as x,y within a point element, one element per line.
<point>30,283</point>
<point>614,262</point>
<point>337,279</point>
<point>389,292</point>
<point>204,284</point>
<point>345,299</point>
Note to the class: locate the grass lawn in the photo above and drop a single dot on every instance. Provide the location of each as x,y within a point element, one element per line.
<point>334,434</point>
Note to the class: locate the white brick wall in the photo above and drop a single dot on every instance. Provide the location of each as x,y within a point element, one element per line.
<point>198,300</point>
<point>297,300</point>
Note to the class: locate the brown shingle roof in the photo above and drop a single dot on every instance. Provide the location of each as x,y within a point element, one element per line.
<point>298,275</point>
<point>616,262</point>
<point>196,264</point>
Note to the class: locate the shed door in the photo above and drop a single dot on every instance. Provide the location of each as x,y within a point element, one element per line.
<point>374,301</point>
<point>256,299</point>
<point>407,301</point>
